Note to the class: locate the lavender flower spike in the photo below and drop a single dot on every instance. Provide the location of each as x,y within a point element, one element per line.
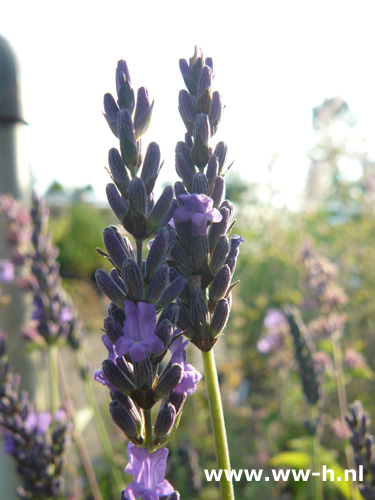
<point>148,473</point>
<point>190,376</point>
<point>199,209</point>
<point>138,328</point>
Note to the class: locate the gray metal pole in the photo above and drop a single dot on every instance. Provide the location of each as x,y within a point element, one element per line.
<point>14,180</point>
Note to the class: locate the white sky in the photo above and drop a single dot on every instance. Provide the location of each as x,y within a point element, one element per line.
<point>274,61</point>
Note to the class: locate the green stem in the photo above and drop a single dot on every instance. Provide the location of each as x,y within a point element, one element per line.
<point>99,423</point>
<point>342,399</point>
<point>149,437</point>
<point>317,486</point>
<point>53,379</point>
<point>81,446</point>
<point>218,424</point>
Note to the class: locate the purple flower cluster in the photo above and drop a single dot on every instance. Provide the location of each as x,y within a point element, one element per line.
<point>36,441</point>
<point>34,259</point>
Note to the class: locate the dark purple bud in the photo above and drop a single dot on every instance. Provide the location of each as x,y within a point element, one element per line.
<point>171,232</point>
<point>182,259</point>
<point>124,420</point>
<point>111,112</point>
<point>200,153</point>
<point>199,251</point>
<point>151,166</point>
<point>168,380</point>
<point>179,189</point>
<point>129,248</point>
<point>158,284</point>
<point>184,150</point>
<point>205,80</point>
<point>212,171</point>
<point>128,143</point>
<point>170,313</point>
<point>204,102</point>
<point>219,254</point>
<point>164,331</point>
<point>176,399</point>
<point>116,378</point>
<point>143,374</point>
<point>158,251</point>
<point>184,320</point>
<point>143,112</point>
<point>200,184</point>
<point>218,192</point>
<point>127,403</point>
<point>220,284</point>
<point>202,129</point>
<point>208,62</point>
<point>118,171</point>
<point>173,290</point>
<point>112,329</point>
<point>116,278</point>
<point>187,75</point>
<point>174,496</point>
<point>215,112</point>
<point>164,422</point>
<point>235,243</point>
<point>138,196</point>
<point>221,151</point>
<point>161,209</point>
<point>227,204</point>
<point>184,232</point>
<point>132,277</point>
<point>220,317</point>
<point>116,313</point>
<point>115,247</point>
<point>125,93</point>
<point>188,109</point>
<point>184,170</point>
<point>122,75</point>
<point>109,287</point>
<point>116,202</point>
<point>199,313</point>
<point>218,229</point>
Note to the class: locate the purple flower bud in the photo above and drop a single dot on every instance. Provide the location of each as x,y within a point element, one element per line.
<point>160,213</point>
<point>212,171</point>
<point>117,378</point>
<point>128,143</point>
<point>151,166</point>
<point>202,128</point>
<point>6,271</point>
<point>188,109</point>
<point>215,112</point>
<point>148,471</point>
<point>218,192</point>
<point>112,329</point>
<point>200,251</point>
<point>221,151</point>
<point>220,317</point>
<point>118,172</point>
<point>158,284</point>
<point>115,247</point>
<point>109,287</point>
<point>138,196</point>
<point>170,313</point>
<point>217,230</point>
<point>188,77</point>
<point>116,202</point>
<point>235,243</point>
<point>122,75</point>
<point>164,331</point>
<point>184,150</point>
<point>158,251</point>
<point>199,209</point>
<point>199,313</point>
<point>184,169</point>
<point>143,112</point>
<point>164,422</point>
<point>125,420</point>
<point>220,284</point>
<point>219,254</point>
<point>143,374</point>
<point>205,80</point>
<point>200,184</point>
<point>173,290</point>
<point>169,378</point>
<point>111,112</point>
<point>132,277</point>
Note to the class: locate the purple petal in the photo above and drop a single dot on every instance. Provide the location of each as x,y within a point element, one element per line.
<point>110,348</point>
<point>189,380</point>
<point>147,318</point>
<point>135,491</point>
<point>214,215</point>
<point>138,351</point>
<point>123,345</point>
<point>182,214</point>
<point>153,344</point>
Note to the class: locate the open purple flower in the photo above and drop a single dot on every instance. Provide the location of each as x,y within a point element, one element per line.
<point>6,271</point>
<point>199,209</point>
<point>148,473</point>
<point>190,376</point>
<point>99,374</point>
<point>38,423</point>
<point>138,329</point>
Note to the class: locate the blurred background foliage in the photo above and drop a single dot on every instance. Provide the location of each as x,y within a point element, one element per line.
<point>264,404</point>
